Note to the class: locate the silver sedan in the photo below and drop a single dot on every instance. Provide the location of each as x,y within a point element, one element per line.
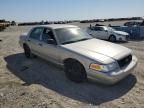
<point>81,55</point>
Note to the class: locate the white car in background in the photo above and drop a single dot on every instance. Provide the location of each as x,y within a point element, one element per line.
<point>108,33</point>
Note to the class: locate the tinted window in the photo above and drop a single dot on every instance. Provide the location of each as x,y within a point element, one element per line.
<point>47,34</point>
<point>98,29</point>
<point>35,34</point>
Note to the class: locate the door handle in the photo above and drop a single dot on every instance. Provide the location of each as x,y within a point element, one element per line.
<point>40,44</point>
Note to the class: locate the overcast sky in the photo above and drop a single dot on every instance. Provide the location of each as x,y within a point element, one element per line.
<point>37,10</point>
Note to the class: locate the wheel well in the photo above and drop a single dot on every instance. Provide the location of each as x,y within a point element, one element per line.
<point>71,59</point>
<point>112,35</point>
<point>25,45</point>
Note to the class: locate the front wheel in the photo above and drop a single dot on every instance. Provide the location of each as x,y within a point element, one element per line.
<point>112,38</point>
<point>75,71</point>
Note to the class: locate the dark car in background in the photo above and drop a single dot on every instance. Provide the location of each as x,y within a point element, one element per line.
<point>132,23</point>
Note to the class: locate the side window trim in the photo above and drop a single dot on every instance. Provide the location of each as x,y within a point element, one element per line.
<point>41,33</point>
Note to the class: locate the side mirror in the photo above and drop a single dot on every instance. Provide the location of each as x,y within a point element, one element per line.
<point>51,41</point>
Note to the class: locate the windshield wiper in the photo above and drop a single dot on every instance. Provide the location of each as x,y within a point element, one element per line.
<point>75,41</point>
<point>84,39</point>
<point>69,42</point>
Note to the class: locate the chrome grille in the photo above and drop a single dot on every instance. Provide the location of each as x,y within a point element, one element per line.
<point>125,61</point>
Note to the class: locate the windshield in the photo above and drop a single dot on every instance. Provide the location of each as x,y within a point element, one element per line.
<point>71,35</point>
<point>111,29</point>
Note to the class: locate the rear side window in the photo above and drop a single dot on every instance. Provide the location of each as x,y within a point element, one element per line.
<point>36,33</point>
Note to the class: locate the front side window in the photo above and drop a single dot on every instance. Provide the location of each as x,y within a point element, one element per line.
<point>47,34</point>
<point>35,34</point>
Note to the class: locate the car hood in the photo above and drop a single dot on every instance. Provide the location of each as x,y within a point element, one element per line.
<point>100,50</point>
<point>121,32</point>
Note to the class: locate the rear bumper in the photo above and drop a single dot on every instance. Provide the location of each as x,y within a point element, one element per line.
<point>112,77</point>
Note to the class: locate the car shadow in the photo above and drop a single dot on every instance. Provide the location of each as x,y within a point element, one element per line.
<point>38,71</point>
<point>134,40</point>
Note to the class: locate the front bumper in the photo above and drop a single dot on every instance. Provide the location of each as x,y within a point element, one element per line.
<point>122,38</point>
<point>112,77</point>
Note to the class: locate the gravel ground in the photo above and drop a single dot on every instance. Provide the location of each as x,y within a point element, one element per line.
<point>36,83</point>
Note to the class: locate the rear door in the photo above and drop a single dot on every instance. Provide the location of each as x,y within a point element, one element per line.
<point>34,40</point>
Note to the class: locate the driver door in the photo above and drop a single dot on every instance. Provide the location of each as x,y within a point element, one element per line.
<point>96,32</point>
<point>50,51</point>
<point>101,33</point>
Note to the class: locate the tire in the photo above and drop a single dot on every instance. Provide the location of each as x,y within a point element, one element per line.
<point>112,38</point>
<point>75,71</point>
<point>27,51</point>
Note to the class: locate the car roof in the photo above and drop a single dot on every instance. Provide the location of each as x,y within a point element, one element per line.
<point>100,26</point>
<point>58,26</point>
<point>105,27</point>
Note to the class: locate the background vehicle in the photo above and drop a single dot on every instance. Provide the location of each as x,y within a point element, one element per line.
<point>81,55</point>
<point>108,33</point>
<point>134,23</point>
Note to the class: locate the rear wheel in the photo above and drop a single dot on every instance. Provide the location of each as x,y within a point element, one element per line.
<point>112,38</point>
<point>27,51</point>
<point>75,71</point>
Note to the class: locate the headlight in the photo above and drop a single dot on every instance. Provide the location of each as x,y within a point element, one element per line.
<point>104,68</point>
<point>121,35</point>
